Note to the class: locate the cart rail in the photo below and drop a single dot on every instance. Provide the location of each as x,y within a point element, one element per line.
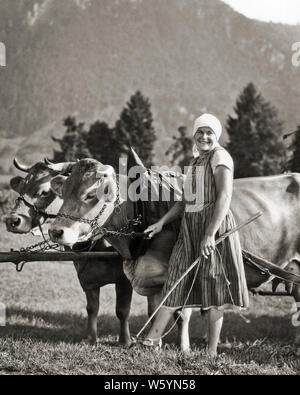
<point>17,257</point>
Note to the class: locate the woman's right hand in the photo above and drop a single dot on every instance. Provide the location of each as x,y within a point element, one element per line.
<point>154,229</point>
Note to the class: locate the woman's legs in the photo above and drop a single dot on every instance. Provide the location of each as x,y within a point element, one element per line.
<point>159,325</point>
<point>215,322</point>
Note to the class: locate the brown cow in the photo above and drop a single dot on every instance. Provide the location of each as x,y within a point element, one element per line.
<point>92,275</point>
<point>82,195</point>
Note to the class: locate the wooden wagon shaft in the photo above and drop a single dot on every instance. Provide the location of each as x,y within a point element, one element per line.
<point>16,257</point>
<point>269,293</point>
<point>272,269</point>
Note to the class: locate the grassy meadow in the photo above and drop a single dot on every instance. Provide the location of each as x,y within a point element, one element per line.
<point>46,321</point>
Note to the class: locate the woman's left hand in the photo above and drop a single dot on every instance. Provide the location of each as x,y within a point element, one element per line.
<point>208,245</point>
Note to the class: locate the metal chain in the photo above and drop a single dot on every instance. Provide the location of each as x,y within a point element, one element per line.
<point>36,210</point>
<point>42,246</point>
<point>122,232</point>
<point>93,221</point>
<point>78,219</point>
<point>84,220</point>
<point>45,244</point>
<point>39,247</point>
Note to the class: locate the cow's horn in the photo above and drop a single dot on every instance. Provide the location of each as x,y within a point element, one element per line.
<point>47,161</point>
<point>137,158</point>
<point>285,136</point>
<point>21,167</point>
<point>62,167</point>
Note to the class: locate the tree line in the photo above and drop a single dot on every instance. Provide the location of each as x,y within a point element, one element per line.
<point>134,128</point>
<point>255,138</point>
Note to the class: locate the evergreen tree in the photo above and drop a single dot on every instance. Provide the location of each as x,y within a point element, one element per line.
<point>73,145</point>
<point>181,149</point>
<point>294,163</point>
<point>255,136</point>
<point>102,144</point>
<point>135,129</point>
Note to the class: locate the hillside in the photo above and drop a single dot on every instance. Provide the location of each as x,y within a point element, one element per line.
<point>89,56</point>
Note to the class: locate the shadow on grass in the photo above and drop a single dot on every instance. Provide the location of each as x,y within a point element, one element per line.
<point>274,328</point>
<point>265,338</point>
<point>56,327</point>
<point>43,326</point>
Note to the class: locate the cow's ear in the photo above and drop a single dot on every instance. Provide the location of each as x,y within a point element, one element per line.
<point>16,184</point>
<point>57,184</point>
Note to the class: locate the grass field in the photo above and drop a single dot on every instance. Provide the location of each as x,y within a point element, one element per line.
<point>46,322</point>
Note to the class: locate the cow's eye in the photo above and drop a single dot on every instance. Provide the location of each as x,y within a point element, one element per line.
<point>45,193</point>
<point>90,196</point>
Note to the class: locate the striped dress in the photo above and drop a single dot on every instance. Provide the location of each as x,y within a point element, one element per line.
<point>218,281</point>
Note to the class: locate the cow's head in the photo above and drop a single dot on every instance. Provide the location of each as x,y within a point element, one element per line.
<point>36,189</point>
<point>89,189</point>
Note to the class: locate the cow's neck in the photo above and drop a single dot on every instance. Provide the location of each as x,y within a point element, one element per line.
<point>119,219</point>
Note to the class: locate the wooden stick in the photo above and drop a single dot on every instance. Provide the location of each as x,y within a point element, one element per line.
<point>16,257</point>
<point>219,240</point>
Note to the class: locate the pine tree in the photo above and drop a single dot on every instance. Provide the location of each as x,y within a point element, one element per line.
<point>102,144</point>
<point>294,163</point>
<point>181,149</point>
<point>135,129</point>
<point>255,136</point>
<point>73,145</point>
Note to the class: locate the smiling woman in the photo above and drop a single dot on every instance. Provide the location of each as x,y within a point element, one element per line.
<point>218,282</point>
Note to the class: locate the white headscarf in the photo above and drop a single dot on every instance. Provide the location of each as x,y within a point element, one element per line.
<point>206,120</point>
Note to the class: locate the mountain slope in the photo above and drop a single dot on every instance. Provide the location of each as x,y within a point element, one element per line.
<point>89,56</point>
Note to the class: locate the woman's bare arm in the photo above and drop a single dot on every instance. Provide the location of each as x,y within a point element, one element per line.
<point>175,212</point>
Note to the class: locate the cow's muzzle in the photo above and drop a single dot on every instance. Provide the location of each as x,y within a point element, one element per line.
<point>18,223</point>
<point>63,235</point>
<point>56,234</point>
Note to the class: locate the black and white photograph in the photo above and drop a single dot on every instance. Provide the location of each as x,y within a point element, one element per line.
<point>150,190</point>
